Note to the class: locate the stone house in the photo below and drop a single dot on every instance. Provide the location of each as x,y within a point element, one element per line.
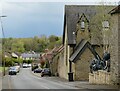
<point>113,77</point>
<point>115,46</point>
<point>47,57</point>
<point>81,42</point>
<point>56,61</point>
<point>31,56</point>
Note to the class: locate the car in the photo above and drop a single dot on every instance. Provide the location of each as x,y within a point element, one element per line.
<point>34,67</point>
<point>12,71</point>
<point>17,68</point>
<point>46,71</point>
<point>37,70</point>
<point>29,65</point>
<point>25,65</point>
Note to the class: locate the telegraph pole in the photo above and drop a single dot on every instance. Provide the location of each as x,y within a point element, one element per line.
<point>3,47</point>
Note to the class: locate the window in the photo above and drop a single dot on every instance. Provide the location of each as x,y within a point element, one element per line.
<point>105,24</point>
<point>82,25</point>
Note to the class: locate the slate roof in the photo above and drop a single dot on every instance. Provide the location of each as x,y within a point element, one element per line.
<point>14,55</point>
<point>80,49</point>
<point>71,16</point>
<point>115,10</point>
<point>29,55</point>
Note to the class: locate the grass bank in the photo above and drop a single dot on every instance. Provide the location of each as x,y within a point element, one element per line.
<point>2,68</point>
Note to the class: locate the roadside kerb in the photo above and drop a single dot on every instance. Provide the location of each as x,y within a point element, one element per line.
<point>78,84</point>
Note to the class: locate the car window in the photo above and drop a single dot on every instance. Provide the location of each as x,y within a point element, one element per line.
<point>12,68</point>
<point>46,70</point>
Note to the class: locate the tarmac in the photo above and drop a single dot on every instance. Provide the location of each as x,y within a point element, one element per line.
<point>0,80</point>
<point>81,84</point>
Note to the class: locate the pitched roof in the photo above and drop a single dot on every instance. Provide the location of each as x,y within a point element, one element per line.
<point>72,15</point>
<point>59,50</point>
<point>14,55</point>
<point>81,48</point>
<point>28,55</point>
<point>83,15</point>
<point>50,54</point>
<point>115,10</point>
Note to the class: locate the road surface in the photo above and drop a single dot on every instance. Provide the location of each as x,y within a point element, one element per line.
<point>26,80</point>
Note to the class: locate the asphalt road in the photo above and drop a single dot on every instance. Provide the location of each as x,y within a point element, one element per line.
<point>26,80</point>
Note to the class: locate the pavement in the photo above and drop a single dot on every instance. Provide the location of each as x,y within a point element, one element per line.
<point>78,84</point>
<point>0,80</point>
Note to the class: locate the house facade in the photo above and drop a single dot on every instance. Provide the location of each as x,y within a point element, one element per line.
<point>31,56</point>
<point>57,62</point>
<point>115,46</point>
<point>86,36</point>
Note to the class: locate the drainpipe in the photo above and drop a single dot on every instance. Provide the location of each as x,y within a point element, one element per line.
<point>70,74</point>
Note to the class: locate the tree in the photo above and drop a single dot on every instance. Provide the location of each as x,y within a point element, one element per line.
<point>95,24</point>
<point>53,38</point>
<point>42,63</point>
<point>54,41</point>
<point>18,46</point>
<point>37,44</point>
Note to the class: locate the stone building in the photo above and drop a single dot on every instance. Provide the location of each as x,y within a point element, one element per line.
<point>115,46</point>
<point>83,39</point>
<point>56,64</point>
<point>113,77</point>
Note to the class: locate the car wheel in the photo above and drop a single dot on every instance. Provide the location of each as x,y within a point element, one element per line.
<point>42,75</point>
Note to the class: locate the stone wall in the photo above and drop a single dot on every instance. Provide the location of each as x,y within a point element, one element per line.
<point>114,51</point>
<point>99,77</point>
<point>62,66</point>
<point>82,66</point>
<point>119,49</point>
<point>82,34</point>
<point>54,65</point>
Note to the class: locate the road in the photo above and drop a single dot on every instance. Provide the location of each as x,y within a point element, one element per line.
<point>26,80</point>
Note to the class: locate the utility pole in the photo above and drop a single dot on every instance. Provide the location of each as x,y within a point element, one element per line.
<point>3,47</point>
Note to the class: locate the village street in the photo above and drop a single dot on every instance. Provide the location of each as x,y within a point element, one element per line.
<point>28,80</point>
<point>76,48</point>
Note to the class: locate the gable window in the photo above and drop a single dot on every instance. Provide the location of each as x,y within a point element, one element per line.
<point>105,24</point>
<point>82,25</point>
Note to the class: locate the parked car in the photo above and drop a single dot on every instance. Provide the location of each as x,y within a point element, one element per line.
<point>46,71</point>
<point>12,71</point>
<point>17,68</point>
<point>34,67</point>
<point>25,65</point>
<point>29,65</point>
<point>38,70</point>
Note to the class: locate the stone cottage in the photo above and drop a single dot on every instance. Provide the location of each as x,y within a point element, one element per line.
<point>115,46</point>
<point>83,38</point>
<point>113,77</point>
<point>56,64</point>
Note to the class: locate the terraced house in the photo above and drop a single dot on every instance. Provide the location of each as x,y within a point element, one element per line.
<point>88,34</point>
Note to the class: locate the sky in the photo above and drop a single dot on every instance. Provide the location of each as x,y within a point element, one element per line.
<point>29,18</point>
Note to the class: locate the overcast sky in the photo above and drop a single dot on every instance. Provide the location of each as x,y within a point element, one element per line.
<point>35,17</point>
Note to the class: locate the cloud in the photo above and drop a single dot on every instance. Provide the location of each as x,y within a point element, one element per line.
<point>61,1</point>
<point>23,18</point>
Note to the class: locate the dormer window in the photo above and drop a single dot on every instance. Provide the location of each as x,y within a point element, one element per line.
<point>105,24</point>
<point>82,25</point>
